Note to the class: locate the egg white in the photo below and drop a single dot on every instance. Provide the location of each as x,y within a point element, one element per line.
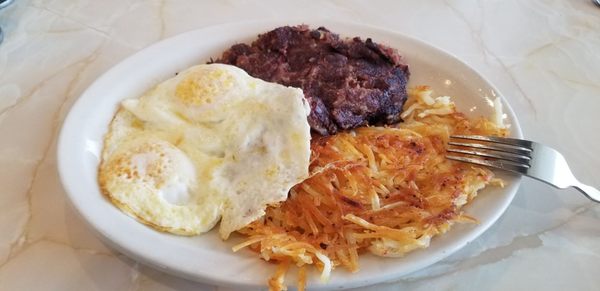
<point>229,145</point>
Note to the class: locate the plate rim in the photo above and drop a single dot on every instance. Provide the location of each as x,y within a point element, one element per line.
<point>63,138</point>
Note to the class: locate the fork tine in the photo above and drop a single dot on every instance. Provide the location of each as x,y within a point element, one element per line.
<point>494,147</point>
<point>498,164</point>
<point>503,140</point>
<point>521,159</point>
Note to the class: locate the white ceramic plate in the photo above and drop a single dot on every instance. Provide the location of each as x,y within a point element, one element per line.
<point>206,258</point>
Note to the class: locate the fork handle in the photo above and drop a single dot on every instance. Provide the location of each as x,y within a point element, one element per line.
<point>588,191</point>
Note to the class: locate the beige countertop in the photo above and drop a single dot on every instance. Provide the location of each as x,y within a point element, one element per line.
<point>544,56</point>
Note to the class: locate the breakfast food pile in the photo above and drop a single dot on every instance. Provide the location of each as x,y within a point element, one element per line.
<point>383,190</point>
<point>231,141</point>
<point>348,83</point>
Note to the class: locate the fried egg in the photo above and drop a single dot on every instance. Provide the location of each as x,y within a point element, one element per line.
<point>211,143</point>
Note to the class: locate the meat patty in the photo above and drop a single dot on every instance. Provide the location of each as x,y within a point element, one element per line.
<point>347,82</point>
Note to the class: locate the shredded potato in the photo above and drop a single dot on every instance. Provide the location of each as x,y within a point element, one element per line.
<point>384,190</point>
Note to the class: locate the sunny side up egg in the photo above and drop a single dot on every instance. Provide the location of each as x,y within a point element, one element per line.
<point>211,143</point>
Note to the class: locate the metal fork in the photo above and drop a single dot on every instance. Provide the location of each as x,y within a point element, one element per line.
<point>519,156</point>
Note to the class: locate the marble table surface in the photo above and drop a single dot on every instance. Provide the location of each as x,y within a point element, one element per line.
<point>544,56</point>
